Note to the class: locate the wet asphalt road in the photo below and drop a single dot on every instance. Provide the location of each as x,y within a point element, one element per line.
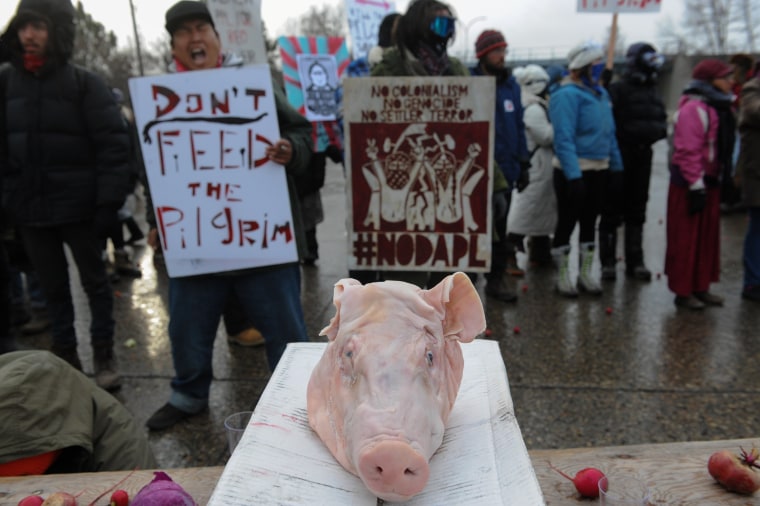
<point>623,368</point>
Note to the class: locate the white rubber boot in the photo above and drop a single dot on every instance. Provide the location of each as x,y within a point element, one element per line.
<point>565,285</point>
<point>586,281</point>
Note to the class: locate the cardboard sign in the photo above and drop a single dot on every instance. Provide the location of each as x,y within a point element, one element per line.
<point>643,6</point>
<point>240,28</point>
<point>419,154</point>
<point>311,68</point>
<point>220,203</point>
<point>364,17</point>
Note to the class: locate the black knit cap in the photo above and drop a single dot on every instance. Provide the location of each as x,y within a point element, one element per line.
<point>186,9</point>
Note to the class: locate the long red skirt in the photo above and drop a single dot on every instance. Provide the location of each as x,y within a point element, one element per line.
<point>692,259</point>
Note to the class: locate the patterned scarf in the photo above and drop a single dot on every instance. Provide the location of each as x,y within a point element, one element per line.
<point>433,58</point>
<point>33,62</point>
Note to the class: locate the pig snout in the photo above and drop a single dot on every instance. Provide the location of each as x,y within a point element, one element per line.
<point>393,470</point>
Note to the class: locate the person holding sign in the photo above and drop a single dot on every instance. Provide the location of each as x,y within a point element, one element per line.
<point>589,162</point>
<point>270,296</point>
<point>64,158</point>
<point>422,37</point>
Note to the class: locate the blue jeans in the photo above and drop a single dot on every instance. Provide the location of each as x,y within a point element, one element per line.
<point>752,249</point>
<point>270,298</point>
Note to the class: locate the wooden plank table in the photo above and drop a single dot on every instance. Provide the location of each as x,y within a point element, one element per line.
<point>677,473</point>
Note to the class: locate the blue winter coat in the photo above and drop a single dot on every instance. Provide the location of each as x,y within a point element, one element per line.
<point>583,127</point>
<point>510,145</point>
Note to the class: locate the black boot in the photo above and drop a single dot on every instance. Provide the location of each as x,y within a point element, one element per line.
<point>135,233</point>
<point>634,254</point>
<point>540,248</point>
<point>496,287</point>
<point>607,251</point>
<point>106,376</point>
<point>69,354</point>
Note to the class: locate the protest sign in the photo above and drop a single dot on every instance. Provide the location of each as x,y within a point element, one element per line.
<point>419,154</point>
<point>364,17</point>
<point>220,203</point>
<point>619,6</point>
<point>240,29</point>
<point>312,68</point>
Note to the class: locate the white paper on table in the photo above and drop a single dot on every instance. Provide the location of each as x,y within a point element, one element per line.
<point>482,460</point>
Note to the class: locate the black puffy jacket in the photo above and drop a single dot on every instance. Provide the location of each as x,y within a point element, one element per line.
<point>63,145</point>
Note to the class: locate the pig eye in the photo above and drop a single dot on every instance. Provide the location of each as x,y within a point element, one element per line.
<point>429,357</point>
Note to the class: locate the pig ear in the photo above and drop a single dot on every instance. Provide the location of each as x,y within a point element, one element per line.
<point>460,305</point>
<point>332,329</point>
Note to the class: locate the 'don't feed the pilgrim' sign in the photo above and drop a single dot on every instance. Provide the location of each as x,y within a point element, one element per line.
<point>220,203</point>
<point>419,155</point>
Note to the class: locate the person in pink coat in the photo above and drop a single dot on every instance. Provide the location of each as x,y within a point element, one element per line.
<point>703,140</point>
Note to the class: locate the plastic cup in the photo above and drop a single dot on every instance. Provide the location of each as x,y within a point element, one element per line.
<point>623,491</point>
<point>235,426</point>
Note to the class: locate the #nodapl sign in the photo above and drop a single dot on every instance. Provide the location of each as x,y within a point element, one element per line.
<point>419,153</point>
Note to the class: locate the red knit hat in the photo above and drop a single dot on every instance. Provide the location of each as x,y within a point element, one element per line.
<point>710,69</point>
<point>488,41</point>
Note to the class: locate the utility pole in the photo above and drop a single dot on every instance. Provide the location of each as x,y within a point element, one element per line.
<point>137,39</point>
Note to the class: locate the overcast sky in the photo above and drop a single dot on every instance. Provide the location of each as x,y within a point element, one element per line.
<point>544,25</point>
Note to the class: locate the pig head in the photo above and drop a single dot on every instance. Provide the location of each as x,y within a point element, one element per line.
<point>380,395</point>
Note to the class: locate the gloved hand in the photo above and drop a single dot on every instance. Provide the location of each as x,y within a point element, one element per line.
<point>576,192</point>
<point>105,221</point>
<point>524,179</point>
<point>697,200</point>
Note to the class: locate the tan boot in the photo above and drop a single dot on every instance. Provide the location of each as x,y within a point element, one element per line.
<point>106,376</point>
<point>249,337</point>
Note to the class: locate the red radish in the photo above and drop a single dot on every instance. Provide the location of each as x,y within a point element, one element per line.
<point>736,472</point>
<point>488,332</point>
<point>119,498</point>
<point>60,499</point>
<point>586,481</point>
<point>516,330</point>
<point>608,310</point>
<point>31,500</point>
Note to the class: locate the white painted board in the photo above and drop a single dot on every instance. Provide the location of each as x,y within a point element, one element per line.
<point>483,458</point>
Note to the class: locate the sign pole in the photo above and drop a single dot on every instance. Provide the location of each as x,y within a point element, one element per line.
<point>611,43</point>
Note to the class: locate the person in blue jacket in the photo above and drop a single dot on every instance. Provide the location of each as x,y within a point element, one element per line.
<point>510,153</point>
<point>590,166</point>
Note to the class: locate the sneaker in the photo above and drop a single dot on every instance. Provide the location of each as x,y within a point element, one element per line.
<point>106,376</point>
<point>689,302</point>
<point>69,354</point>
<point>499,291</point>
<point>166,417</point>
<point>249,337</point>
<point>38,324</point>
<point>709,299</point>
<point>751,293</point>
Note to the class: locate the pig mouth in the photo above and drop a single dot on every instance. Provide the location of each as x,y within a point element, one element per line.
<point>392,469</point>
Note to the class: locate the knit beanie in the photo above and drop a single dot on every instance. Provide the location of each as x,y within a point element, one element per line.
<point>710,69</point>
<point>186,9</point>
<point>488,41</point>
